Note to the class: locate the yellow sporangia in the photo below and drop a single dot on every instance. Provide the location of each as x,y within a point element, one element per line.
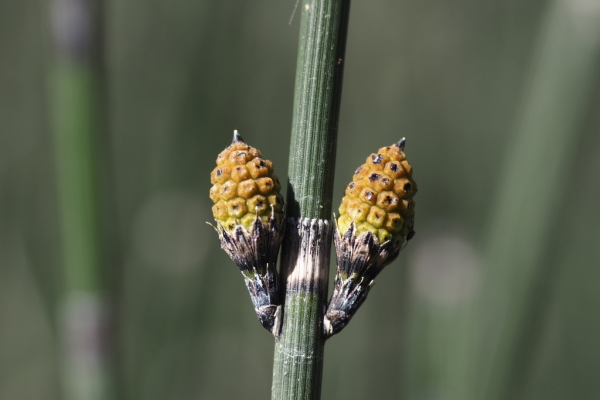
<point>243,187</point>
<point>380,197</point>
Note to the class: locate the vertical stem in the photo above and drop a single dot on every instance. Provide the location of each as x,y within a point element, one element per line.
<point>540,156</point>
<point>79,142</point>
<point>298,362</point>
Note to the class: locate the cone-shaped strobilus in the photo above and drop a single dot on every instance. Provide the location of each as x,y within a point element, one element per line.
<point>375,222</point>
<point>248,211</point>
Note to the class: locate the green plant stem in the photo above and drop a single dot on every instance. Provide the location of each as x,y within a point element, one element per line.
<point>80,144</point>
<point>539,158</point>
<point>298,361</point>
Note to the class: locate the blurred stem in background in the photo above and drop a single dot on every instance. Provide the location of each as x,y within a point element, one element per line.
<point>298,362</point>
<point>79,122</point>
<point>531,197</point>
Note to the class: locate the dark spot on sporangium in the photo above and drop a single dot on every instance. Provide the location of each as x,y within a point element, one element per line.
<point>261,163</point>
<point>376,158</point>
<point>219,172</point>
<point>357,170</point>
<point>377,216</point>
<point>385,181</point>
<point>351,185</point>
<point>407,187</point>
<point>224,188</point>
<point>388,199</point>
<point>260,203</point>
<point>235,207</point>
<point>394,167</point>
<point>374,176</point>
<point>369,195</point>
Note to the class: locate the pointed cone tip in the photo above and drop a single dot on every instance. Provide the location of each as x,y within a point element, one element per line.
<point>401,143</point>
<point>237,137</point>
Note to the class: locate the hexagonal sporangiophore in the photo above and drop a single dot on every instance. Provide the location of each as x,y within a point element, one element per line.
<point>376,220</point>
<point>384,180</point>
<point>249,214</point>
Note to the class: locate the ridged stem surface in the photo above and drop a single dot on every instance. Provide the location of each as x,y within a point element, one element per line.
<point>316,107</point>
<point>298,362</point>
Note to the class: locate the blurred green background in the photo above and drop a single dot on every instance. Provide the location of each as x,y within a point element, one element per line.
<point>108,137</point>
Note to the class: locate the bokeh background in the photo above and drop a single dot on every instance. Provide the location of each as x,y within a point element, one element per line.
<point>112,114</point>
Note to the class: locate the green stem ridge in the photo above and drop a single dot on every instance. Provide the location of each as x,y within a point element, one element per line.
<point>298,361</point>
<point>316,107</point>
